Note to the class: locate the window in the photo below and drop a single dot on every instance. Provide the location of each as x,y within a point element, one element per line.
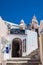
<point>24,45</point>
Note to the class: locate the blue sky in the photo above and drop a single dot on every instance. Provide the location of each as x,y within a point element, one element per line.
<point>15,10</point>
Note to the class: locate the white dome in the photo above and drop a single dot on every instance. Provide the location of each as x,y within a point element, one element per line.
<point>22,24</point>
<point>22,21</point>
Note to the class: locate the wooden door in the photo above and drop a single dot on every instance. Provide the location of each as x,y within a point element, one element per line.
<point>16,48</point>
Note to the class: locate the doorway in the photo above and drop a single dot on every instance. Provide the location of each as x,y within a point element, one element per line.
<point>16,47</point>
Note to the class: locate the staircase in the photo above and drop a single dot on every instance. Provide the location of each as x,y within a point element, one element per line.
<point>32,59</point>
<point>21,61</point>
<point>33,53</point>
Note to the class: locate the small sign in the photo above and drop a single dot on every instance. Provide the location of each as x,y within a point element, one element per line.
<point>7,49</point>
<point>17,31</point>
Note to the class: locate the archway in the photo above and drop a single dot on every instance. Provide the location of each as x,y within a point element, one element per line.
<point>16,47</point>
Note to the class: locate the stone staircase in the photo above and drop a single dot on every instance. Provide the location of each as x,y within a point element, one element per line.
<point>32,59</point>
<point>21,61</point>
<point>33,54</point>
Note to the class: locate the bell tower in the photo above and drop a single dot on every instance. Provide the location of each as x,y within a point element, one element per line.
<point>34,22</point>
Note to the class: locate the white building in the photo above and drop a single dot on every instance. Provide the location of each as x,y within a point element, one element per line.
<point>16,41</point>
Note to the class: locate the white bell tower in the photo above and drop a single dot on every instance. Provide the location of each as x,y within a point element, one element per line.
<point>34,22</point>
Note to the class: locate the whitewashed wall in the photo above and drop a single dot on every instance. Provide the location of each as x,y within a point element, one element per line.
<point>10,38</point>
<point>31,43</point>
<point>3,33</point>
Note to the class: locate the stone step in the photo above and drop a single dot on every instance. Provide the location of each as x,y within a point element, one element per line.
<point>20,61</point>
<point>22,64</point>
<point>16,59</point>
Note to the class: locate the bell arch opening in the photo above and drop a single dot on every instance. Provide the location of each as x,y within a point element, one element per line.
<point>16,47</point>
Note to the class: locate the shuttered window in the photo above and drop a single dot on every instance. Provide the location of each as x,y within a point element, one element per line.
<point>24,45</point>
